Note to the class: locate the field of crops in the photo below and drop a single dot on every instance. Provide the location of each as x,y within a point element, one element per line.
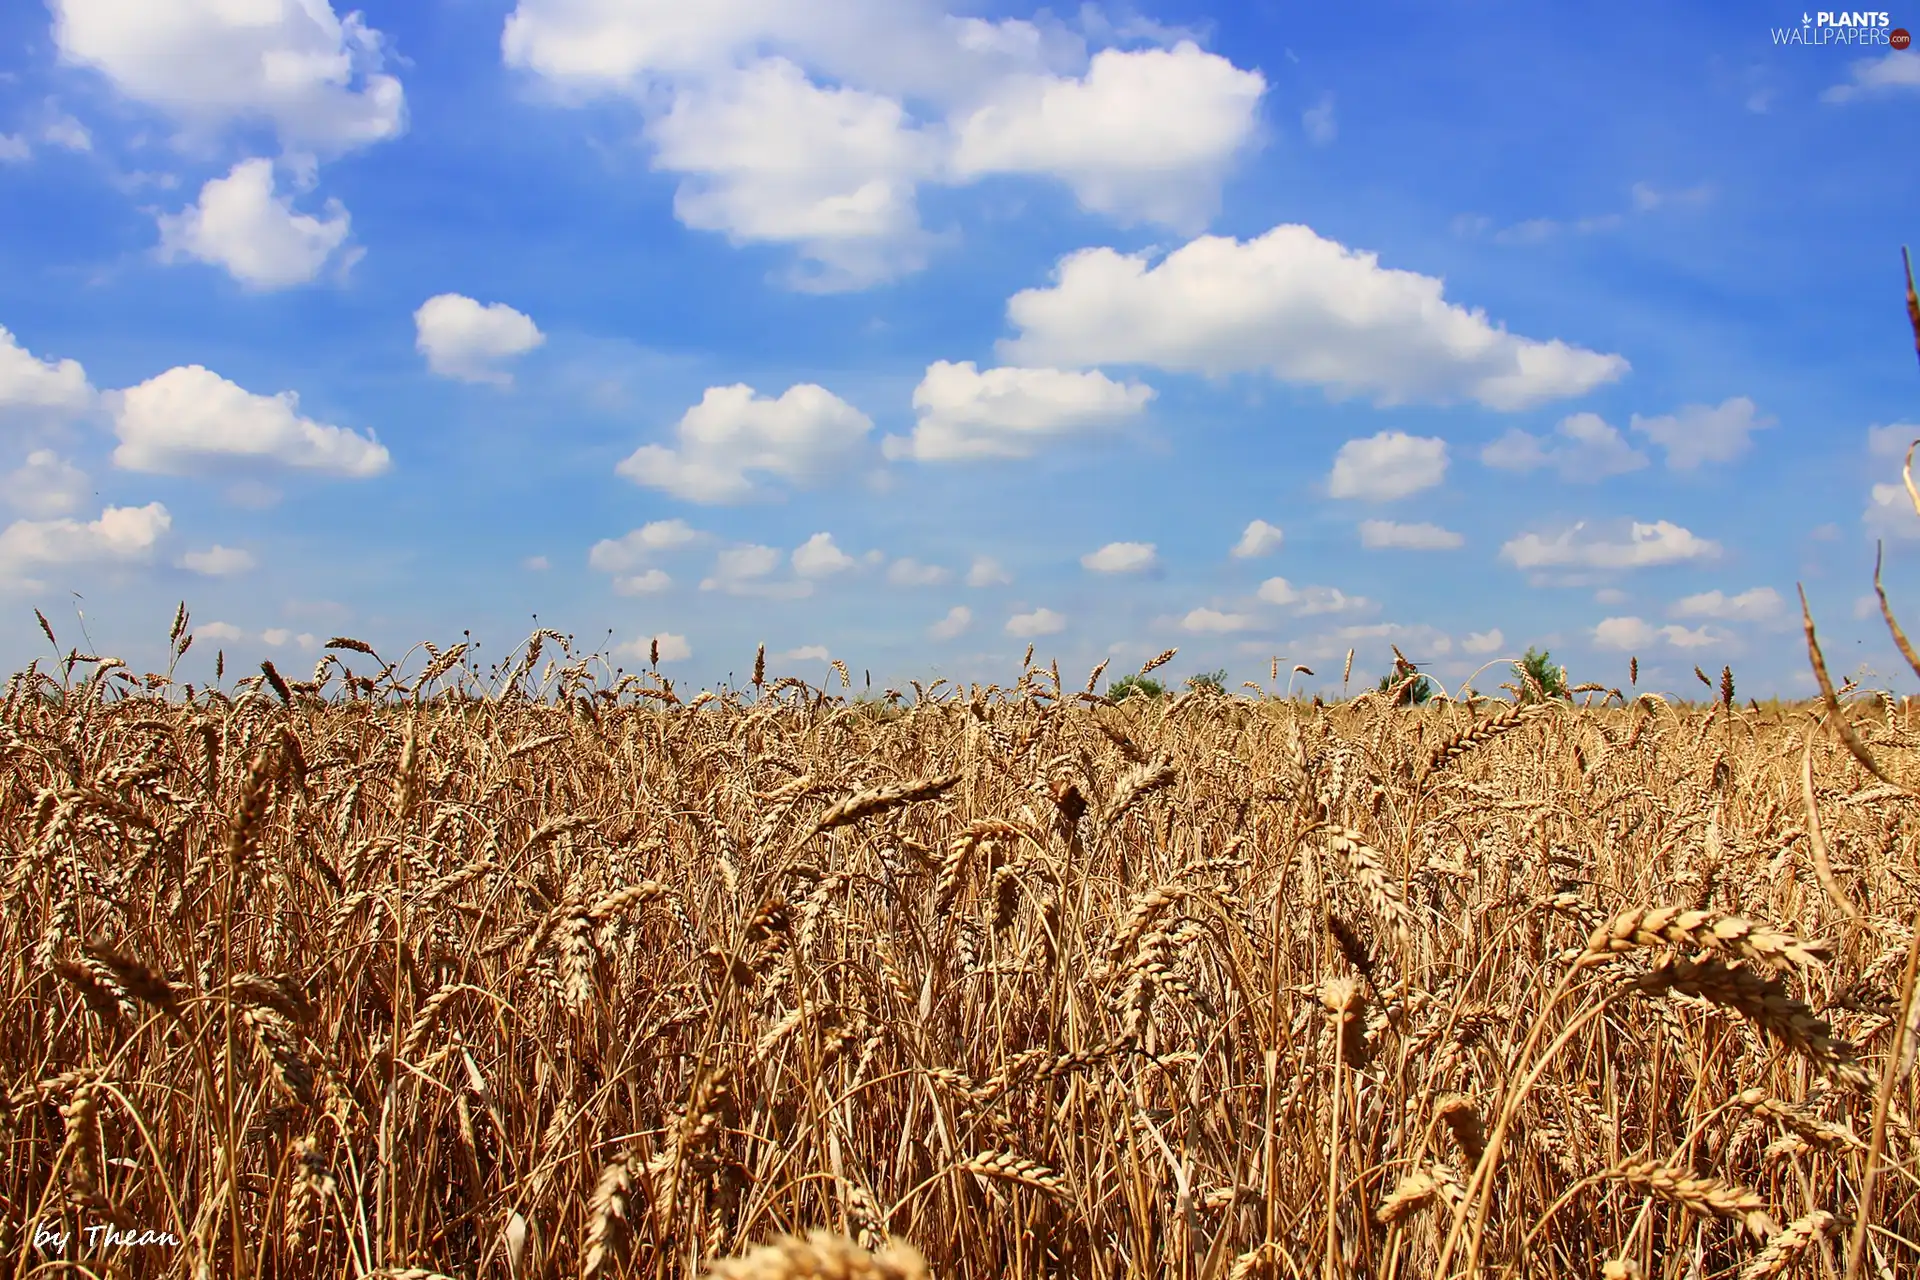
<point>320,978</point>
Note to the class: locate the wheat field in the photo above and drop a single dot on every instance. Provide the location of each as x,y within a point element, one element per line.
<point>538,973</point>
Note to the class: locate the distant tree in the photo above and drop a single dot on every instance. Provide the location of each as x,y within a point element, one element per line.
<point>1213,681</point>
<point>1135,686</point>
<point>1546,679</point>
<point>1413,694</point>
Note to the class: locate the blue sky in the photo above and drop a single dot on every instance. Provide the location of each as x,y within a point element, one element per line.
<point>910,335</point>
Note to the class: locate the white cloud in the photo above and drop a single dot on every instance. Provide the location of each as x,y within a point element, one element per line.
<point>1479,642</point>
<point>1258,539</point>
<point>46,485</point>
<point>818,557</point>
<point>1637,633</point>
<point>1660,542</point>
<point>463,339</point>
<point>1302,308</point>
<point>1145,135</point>
<point>645,583</point>
<point>800,437</point>
<point>1307,601</point>
<point>1624,633</point>
<point>1377,535</point>
<point>241,225</point>
<point>1006,412</point>
<point>30,383</point>
<point>1588,449</point>
<point>1214,620</point>
<point>218,561</point>
<point>619,555</point>
<point>1760,604</point>
<point>1040,622</point>
<point>68,134</point>
<point>908,572</point>
<point>807,653</point>
<point>1318,122</point>
<point>748,571</point>
<point>14,148</point>
<point>190,415</point>
<point>1702,433</point>
<point>1890,441</point>
<point>788,123</point>
<point>1890,513</point>
<point>673,648</point>
<point>276,636</point>
<point>536,564</point>
<point>1609,596</point>
<point>958,619</point>
<point>987,572</point>
<point>1386,466</point>
<point>122,535</point>
<point>1121,557</point>
<point>219,631</point>
<point>315,77</point>
<point>1895,71</point>
<point>772,157</point>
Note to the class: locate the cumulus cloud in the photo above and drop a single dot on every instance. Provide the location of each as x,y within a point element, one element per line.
<point>1637,633</point>
<point>1482,642</point>
<point>629,551</point>
<point>1258,539</point>
<point>985,571</point>
<point>908,572</point>
<point>190,416</point>
<point>1307,601</point>
<point>790,124</point>
<point>1587,449</point>
<point>1760,604</point>
<point>536,564</point>
<point>1890,442</point>
<point>14,148</point>
<point>122,535</point>
<point>1386,466</point>
<point>799,437</point>
<point>748,571</point>
<point>1379,535</point>
<point>46,485</point>
<point>1893,72</point>
<point>219,631</point>
<point>68,134</point>
<point>1144,135</point>
<point>1699,433</point>
<point>1657,543</point>
<point>1318,122</point>
<point>1208,621</point>
<point>807,653</point>
<point>771,156</point>
<point>218,561</point>
<point>1299,307</point>
<point>1890,513</point>
<point>313,76</point>
<point>27,382</point>
<point>958,619</point>
<point>1121,557</point>
<point>463,339</point>
<point>673,648</point>
<point>818,557</point>
<point>279,637</point>
<point>1040,622</point>
<point>1007,412</point>
<point>241,225</point>
<point>647,582</point>
<point>1624,633</point>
